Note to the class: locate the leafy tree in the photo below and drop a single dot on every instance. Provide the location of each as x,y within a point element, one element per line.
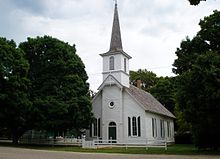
<point>15,107</point>
<point>164,91</point>
<point>198,82</point>
<point>182,126</point>
<point>59,91</point>
<point>147,78</point>
<point>161,88</point>
<point>195,2</point>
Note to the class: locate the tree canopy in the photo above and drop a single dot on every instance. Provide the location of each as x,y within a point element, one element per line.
<point>59,91</point>
<point>198,82</point>
<point>162,88</point>
<point>42,86</point>
<point>195,2</point>
<point>164,91</point>
<point>14,99</point>
<point>147,78</point>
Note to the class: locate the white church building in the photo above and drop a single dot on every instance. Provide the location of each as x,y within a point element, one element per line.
<point>123,112</point>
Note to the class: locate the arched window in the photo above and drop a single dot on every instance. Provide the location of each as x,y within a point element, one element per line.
<point>112,132</point>
<point>111,63</point>
<point>112,124</point>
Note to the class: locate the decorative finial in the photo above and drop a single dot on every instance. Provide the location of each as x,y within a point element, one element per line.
<point>116,2</point>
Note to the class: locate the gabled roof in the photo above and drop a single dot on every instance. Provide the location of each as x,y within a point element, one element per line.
<point>145,99</point>
<point>116,52</point>
<point>149,103</point>
<point>110,80</point>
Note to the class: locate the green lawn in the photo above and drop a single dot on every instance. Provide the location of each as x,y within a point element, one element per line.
<point>173,149</point>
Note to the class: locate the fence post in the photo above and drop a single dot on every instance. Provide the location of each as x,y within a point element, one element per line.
<point>165,145</point>
<point>83,142</point>
<point>146,144</point>
<point>111,141</point>
<point>94,145</point>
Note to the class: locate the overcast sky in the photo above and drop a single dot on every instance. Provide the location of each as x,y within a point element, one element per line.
<point>151,29</point>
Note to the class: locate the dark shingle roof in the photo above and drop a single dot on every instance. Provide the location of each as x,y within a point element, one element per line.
<point>116,43</point>
<point>150,103</point>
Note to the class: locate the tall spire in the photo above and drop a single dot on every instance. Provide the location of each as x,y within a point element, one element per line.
<point>116,44</point>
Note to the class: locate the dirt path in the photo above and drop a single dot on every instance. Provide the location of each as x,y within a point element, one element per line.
<point>20,153</point>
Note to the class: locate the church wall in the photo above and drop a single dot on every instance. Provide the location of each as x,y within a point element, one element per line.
<point>118,71</point>
<point>124,76</point>
<point>120,76</point>
<point>117,75</point>
<point>132,109</point>
<point>97,106</point>
<point>111,94</point>
<point>125,79</point>
<point>149,132</point>
<point>125,107</point>
<point>97,110</point>
<point>122,57</point>
<point>117,62</point>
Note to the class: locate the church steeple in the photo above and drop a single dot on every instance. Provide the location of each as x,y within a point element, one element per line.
<point>116,61</point>
<point>116,44</point>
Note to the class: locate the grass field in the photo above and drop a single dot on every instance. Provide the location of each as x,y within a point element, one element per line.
<point>173,149</point>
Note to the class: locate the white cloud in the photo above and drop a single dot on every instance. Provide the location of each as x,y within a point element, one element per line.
<point>151,30</point>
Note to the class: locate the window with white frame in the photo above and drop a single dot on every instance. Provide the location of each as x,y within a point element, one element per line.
<point>95,128</point>
<point>162,129</point>
<point>111,63</point>
<point>154,127</point>
<point>134,126</point>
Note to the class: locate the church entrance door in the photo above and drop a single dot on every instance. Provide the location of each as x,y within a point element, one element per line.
<point>112,129</point>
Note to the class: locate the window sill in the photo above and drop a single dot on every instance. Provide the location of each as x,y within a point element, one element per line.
<point>134,136</point>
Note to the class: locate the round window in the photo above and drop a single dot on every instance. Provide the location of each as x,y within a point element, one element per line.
<point>111,104</point>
